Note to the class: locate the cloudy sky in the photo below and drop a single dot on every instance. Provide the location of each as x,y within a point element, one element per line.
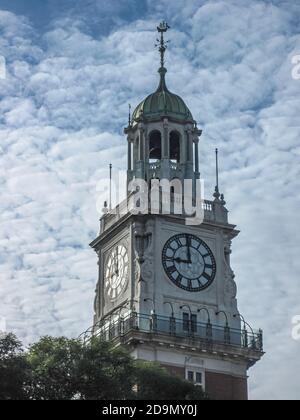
<point>70,73</point>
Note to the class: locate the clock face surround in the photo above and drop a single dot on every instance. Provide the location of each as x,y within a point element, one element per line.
<point>188,262</point>
<point>116,272</point>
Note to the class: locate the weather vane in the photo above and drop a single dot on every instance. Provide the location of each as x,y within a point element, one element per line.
<point>162,28</point>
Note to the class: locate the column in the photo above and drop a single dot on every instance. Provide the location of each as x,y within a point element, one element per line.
<point>129,163</point>
<point>197,155</point>
<point>165,140</point>
<point>141,143</point>
<point>184,147</point>
<point>141,164</point>
<point>190,146</point>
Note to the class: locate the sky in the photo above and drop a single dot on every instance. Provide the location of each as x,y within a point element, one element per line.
<point>71,71</point>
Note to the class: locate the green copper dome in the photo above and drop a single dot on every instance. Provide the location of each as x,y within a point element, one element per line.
<point>162,103</point>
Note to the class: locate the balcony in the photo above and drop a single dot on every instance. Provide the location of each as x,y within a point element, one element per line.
<point>207,337</point>
<point>210,210</point>
<point>155,167</point>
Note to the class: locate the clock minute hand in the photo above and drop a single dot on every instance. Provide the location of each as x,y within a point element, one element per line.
<point>189,250</point>
<point>117,269</point>
<point>115,264</point>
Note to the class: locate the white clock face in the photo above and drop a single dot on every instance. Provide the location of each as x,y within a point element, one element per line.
<point>189,262</point>
<point>116,272</point>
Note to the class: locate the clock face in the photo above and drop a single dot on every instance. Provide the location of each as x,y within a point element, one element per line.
<point>116,272</point>
<point>189,262</point>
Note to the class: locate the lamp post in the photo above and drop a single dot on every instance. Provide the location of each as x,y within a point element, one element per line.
<point>190,329</point>
<point>153,317</point>
<point>208,325</point>
<point>206,310</point>
<point>226,317</point>
<point>226,328</point>
<point>244,321</point>
<point>121,319</point>
<point>172,307</point>
<point>260,340</point>
<point>133,318</point>
<point>245,332</point>
<point>124,306</point>
<point>153,303</point>
<point>187,306</point>
<point>172,318</point>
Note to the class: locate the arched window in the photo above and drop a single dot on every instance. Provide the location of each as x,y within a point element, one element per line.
<point>155,145</point>
<point>175,146</point>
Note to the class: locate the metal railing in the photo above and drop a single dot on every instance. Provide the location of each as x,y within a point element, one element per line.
<point>110,329</point>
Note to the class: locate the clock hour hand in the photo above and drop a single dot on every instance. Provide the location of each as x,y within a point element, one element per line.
<point>179,260</point>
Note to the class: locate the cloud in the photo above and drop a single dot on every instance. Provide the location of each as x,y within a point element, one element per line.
<point>63,107</point>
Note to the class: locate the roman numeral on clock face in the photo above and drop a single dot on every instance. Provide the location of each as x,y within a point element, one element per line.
<point>179,279</point>
<point>206,276</point>
<point>188,262</point>
<point>175,244</point>
<point>172,269</point>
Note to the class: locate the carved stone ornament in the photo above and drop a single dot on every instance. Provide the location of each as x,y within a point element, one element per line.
<point>147,269</point>
<point>137,271</point>
<point>230,287</point>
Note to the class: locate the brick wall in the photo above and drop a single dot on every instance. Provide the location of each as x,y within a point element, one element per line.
<point>219,386</point>
<point>225,387</point>
<point>175,370</point>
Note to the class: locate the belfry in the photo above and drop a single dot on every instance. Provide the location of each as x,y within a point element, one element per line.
<point>166,289</point>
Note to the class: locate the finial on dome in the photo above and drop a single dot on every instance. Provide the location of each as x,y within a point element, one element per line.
<point>162,44</point>
<point>162,28</point>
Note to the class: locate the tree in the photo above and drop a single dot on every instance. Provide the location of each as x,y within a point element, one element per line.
<point>105,372</point>
<point>155,383</point>
<point>63,369</point>
<point>13,368</point>
<point>53,363</point>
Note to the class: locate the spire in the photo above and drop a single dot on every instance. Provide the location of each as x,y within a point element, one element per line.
<point>110,186</point>
<point>162,44</point>
<point>217,191</point>
<point>129,115</point>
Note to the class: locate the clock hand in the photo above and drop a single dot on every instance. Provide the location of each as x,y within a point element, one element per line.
<point>116,263</point>
<point>117,271</point>
<point>179,260</point>
<point>189,249</point>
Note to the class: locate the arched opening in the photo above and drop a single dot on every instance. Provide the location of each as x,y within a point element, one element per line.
<point>175,146</point>
<point>155,146</point>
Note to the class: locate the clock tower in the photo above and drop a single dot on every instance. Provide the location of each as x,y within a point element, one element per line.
<point>166,289</point>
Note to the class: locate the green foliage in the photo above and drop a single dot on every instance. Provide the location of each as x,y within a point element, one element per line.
<point>53,363</point>
<point>156,383</point>
<point>13,368</point>
<point>64,369</point>
<point>104,372</point>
